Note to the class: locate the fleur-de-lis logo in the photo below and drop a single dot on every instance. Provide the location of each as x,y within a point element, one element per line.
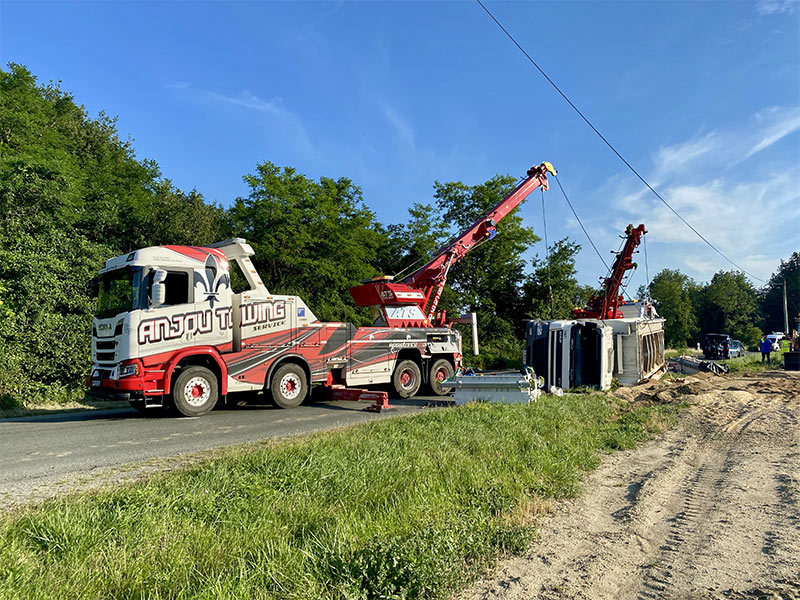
<point>212,279</point>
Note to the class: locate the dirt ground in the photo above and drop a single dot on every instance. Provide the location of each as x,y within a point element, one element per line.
<point>709,510</point>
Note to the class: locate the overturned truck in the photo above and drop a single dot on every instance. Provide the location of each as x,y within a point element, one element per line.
<point>593,352</point>
<point>609,339</point>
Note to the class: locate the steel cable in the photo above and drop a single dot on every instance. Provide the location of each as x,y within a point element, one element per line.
<point>613,149</point>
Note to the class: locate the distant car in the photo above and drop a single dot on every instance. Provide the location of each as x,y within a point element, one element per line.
<point>776,337</point>
<point>735,349</point>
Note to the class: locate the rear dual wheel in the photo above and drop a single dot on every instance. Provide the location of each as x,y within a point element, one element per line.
<point>407,378</point>
<point>441,371</point>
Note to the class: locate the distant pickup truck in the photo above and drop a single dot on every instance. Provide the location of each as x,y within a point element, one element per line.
<point>720,345</point>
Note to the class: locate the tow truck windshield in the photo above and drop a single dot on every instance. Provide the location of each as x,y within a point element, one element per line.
<point>121,291</point>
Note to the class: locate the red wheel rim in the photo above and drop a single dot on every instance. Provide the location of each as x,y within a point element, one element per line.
<point>408,378</point>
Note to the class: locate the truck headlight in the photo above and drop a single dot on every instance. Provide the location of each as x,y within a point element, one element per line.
<point>128,370</point>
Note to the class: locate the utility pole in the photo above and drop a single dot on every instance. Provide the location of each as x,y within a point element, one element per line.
<point>785,311</point>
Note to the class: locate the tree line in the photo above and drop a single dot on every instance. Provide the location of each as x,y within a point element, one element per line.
<point>729,303</point>
<point>73,194</point>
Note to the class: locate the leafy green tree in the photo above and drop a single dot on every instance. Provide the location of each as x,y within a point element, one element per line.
<point>488,280</point>
<point>729,305</point>
<point>170,216</point>
<point>72,194</point>
<point>771,300</point>
<point>312,238</point>
<point>555,274</point>
<point>671,292</point>
<point>408,246</point>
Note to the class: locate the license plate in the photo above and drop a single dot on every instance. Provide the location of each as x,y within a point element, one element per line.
<point>96,379</point>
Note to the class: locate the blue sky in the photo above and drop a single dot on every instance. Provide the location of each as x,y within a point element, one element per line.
<point>702,97</point>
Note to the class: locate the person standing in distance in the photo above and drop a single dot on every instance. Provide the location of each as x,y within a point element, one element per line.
<point>766,347</point>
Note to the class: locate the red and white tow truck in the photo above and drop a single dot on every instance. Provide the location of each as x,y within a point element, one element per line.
<point>170,330</point>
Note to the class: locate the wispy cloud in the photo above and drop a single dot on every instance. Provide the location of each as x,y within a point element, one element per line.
<point>711,154</point>
<point>334,7</point>
<point>739,215</point>
<point>771,7</point>
<point>400,124</point>
<point>278,117</point>
<point>746,209</point>
<point>670,159</point>
<point>731,145</point>
<point>779,124</point>
<point>274,107</point>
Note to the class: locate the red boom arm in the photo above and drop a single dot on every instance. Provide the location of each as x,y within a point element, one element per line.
<point>413,302</point>
<point>606,306</point>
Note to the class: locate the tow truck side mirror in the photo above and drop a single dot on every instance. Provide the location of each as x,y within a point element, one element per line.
<point>94,287</point>
<point>158,295</point>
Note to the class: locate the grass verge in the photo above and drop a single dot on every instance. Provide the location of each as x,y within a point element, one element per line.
<point>676,352</point>
<point>27,399</point>
<point>402,508</point>
<point>52,409</point>
<point>751,363</point>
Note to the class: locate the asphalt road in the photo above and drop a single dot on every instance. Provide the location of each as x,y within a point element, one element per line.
<point>48,454</point>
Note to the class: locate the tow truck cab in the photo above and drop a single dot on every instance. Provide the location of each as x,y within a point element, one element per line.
<point>161,304</point>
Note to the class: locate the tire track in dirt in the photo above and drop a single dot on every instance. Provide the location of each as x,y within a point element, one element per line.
<point>708,511</point>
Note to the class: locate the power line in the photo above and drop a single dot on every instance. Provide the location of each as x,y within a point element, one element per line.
<point>547,258</point>
<point>613,149</point>
<point>588,237</point>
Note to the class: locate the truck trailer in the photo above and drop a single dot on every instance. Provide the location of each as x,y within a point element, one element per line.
<point>609,339</point>
<point>592,353</point>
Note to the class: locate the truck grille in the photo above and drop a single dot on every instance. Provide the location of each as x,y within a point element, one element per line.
<point>106,356</point>
<point>105,345</point>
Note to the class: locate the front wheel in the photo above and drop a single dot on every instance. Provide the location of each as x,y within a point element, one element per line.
<point>441,371</point>
<point>195,392</point>
<point>406,379</point>
<point>289,386</point>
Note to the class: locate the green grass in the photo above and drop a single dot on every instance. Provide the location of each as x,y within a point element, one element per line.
<point>401,508</point>
<point>26,397</point>
<point>61,400</point>
<point>751,363</point>
<point>676,352</point>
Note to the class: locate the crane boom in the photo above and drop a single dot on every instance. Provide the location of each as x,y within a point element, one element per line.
<point>413,302</point>
<point>606,306</point>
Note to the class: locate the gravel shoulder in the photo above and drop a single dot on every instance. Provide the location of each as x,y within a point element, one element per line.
<point>709,510</point>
